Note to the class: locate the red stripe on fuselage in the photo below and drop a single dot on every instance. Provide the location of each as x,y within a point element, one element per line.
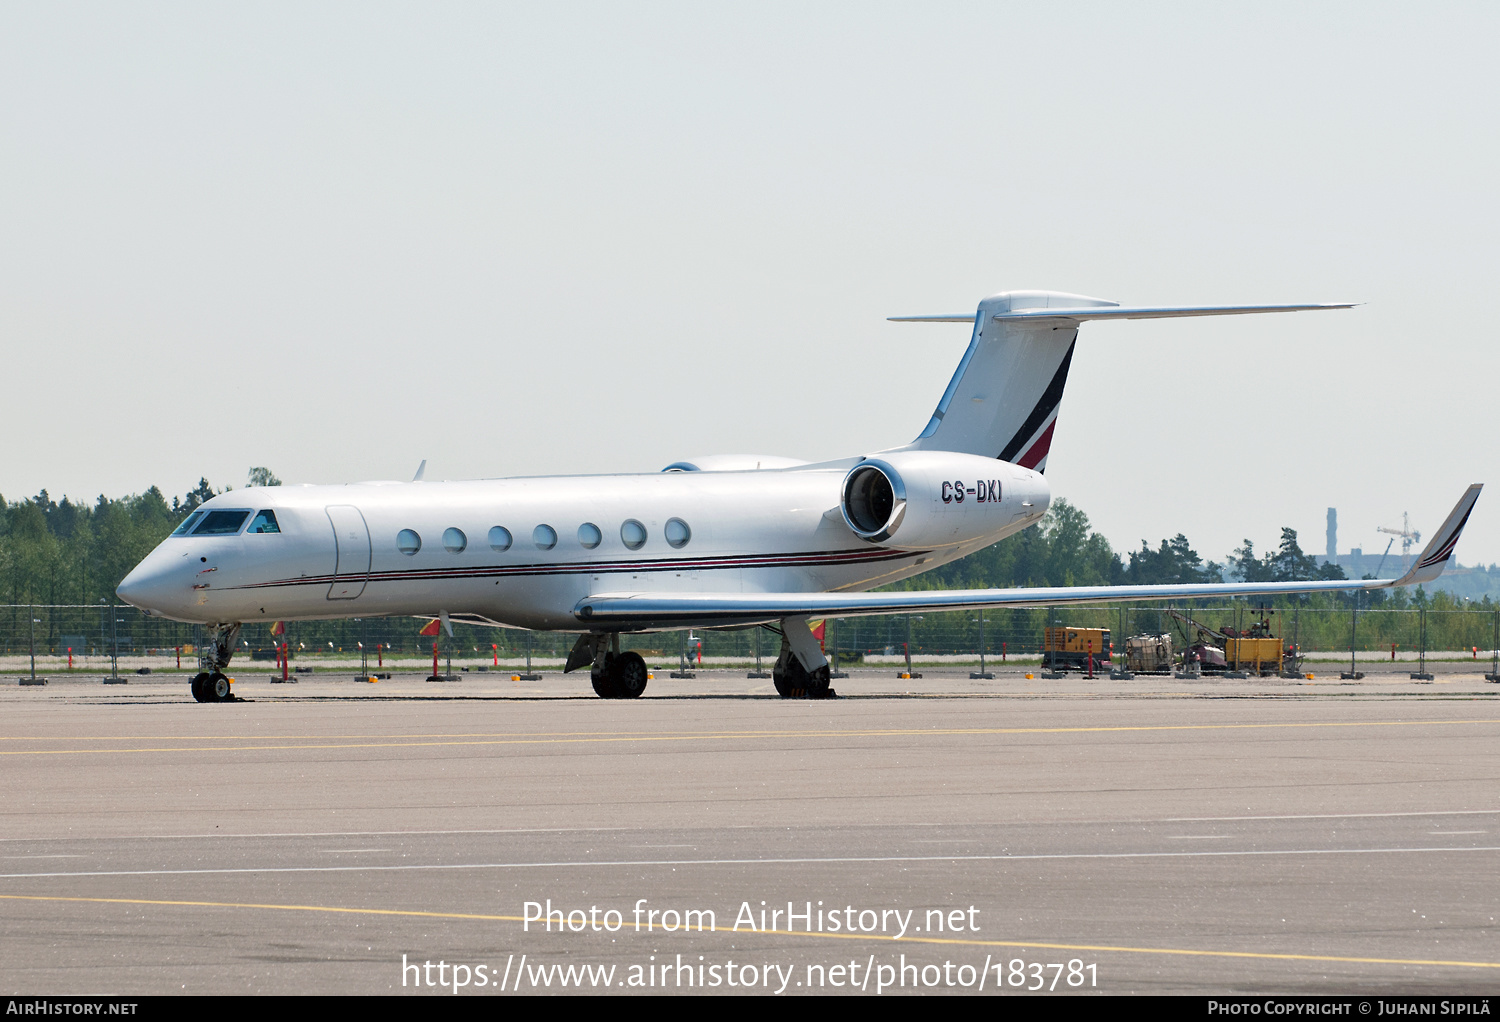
<point>810,559</point>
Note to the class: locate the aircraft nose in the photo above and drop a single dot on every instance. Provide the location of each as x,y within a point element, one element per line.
<point>132,588</point>
<point>146,587</point>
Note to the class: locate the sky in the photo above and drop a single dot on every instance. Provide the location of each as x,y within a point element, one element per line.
<point>337,239</point>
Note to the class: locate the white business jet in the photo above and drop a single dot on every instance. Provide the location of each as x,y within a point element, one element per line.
<point>715,542</point>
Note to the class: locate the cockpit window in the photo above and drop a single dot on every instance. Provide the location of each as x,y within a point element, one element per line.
<point>188,523</point>
<point>221,523</point>
<point>265,521</point>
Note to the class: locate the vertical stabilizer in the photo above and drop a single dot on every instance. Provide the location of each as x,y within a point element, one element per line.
<point>1004,397</point>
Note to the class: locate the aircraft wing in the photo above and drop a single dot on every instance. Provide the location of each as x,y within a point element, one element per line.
<point>675,610</point>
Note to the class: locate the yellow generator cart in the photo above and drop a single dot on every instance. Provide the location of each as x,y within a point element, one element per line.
<point>1069,648</point>
<point>1261,654</point>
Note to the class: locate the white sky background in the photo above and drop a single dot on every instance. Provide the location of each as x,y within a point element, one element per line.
<point>338,239</point>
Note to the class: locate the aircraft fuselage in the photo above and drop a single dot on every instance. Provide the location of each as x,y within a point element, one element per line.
<point>424,548</point>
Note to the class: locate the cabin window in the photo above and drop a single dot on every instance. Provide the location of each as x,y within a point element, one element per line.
<point>677,532</point>
<point>221,523</point>
<point>264,521</point>
<point>589,535</point>
<point>544,536</point>
<point>500,538</point>
<point>454,541</point>
<point>188,523</point>
<point>633,534</point>
<point>408,542</point>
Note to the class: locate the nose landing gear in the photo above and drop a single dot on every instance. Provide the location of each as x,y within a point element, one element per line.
<point>210,684</point>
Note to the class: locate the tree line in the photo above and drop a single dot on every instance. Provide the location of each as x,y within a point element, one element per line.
<point>1064,550</point>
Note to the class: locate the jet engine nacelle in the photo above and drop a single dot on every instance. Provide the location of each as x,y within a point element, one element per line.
<point>939,498</point>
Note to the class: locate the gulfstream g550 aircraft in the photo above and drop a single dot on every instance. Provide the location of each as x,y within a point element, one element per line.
<point>723,541</point>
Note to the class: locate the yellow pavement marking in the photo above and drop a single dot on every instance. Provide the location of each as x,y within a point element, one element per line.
<point>1116,948</point>
<point>278,908</point>
<point>583,737</point>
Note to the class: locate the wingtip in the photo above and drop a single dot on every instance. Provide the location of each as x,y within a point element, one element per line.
<point>1439,551</point>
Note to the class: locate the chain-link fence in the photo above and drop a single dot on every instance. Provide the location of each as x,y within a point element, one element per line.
<point>96,631</point>
<point>1474,633</point>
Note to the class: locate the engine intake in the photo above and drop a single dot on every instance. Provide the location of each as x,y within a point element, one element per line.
<point>874,500</point>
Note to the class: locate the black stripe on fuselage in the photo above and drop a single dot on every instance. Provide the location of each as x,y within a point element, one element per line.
<point>826,557</point>
<point>1050,399</point>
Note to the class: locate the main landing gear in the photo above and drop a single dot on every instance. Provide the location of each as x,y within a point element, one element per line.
<point>801,670</point>
<point>210,684</point>
<point>615,675</point>
<point>623,677</point>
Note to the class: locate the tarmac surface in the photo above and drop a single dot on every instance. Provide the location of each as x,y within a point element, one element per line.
<point>1148,836</point>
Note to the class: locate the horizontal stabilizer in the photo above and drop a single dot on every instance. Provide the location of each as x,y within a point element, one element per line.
<point>1159,311</point>
<point>1078,315</point>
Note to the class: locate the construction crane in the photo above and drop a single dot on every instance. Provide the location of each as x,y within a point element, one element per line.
<point>1212,633</point>
<point>1408,536</point>
<point>1383,557</point>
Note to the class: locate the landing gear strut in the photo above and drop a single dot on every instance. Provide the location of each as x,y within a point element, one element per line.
<point>615,675</point>
<point>210,684</point>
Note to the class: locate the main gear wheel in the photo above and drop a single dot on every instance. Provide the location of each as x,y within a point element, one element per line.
<point>624,676</point>
<point>793,681</point>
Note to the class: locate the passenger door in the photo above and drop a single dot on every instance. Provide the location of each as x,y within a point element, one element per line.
<point>351,539</point>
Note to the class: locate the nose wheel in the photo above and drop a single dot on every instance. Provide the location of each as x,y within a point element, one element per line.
<point>210,684</point>
<point>211,687</point>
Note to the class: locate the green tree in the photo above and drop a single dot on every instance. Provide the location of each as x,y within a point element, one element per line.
<point>197,495</point>
<point>1062,549</point>
<point>1175,561</point>
<point>1287,564</point>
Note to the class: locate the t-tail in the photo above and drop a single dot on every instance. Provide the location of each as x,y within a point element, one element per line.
<point>1005,395</point>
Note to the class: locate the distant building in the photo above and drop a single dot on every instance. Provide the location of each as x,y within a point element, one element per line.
<point>1357,564</point>
<point>1473,582</point>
